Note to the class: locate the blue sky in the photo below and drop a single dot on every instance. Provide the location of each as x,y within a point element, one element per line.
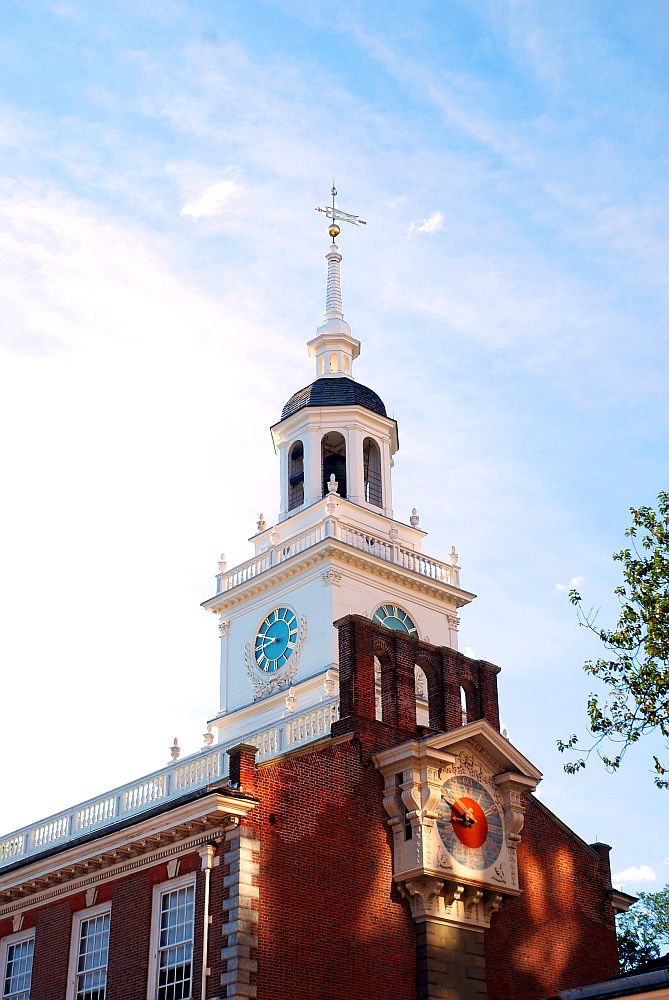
<point>161,268</point>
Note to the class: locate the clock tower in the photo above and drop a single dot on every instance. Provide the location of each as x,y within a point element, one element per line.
<point>336,549</point>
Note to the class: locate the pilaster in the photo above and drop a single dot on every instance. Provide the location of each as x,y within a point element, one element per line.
<point>451,962</point>
<point>240,915</point>
<point>313,486</point>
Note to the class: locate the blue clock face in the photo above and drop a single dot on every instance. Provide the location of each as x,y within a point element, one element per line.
<point>469,823</point>
<point>392,616</point>
<point>275,639</point>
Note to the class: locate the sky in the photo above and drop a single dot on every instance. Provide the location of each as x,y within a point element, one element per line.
<point>162,267</point>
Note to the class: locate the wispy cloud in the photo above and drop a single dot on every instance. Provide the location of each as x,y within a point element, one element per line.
<point>636,873</point>
<point>574,582</point>
<point>213,201</point>
<point>433,224</point>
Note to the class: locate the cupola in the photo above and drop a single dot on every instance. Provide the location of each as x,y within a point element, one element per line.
<point>335,427</point>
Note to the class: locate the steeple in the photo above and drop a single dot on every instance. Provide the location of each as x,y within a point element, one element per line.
<point>334,348</point>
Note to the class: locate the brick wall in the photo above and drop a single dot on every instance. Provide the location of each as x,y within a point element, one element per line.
<point>131,899</point>
<point>331,923</point>
<point>318,871</point>
<point>561,932</point>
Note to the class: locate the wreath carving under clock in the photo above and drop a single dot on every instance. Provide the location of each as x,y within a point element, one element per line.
<point>263,684</point>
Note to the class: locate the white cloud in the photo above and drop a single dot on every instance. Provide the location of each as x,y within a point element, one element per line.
<point>637,873</point>
<point>212,201</point>
<point>574,582</point>
<point>433,224</point>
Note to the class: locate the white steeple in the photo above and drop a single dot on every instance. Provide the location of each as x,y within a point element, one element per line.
<point>334,348</point>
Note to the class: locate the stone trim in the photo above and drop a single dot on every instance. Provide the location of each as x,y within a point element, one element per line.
<point>240,915</point>
<point>451,962</point>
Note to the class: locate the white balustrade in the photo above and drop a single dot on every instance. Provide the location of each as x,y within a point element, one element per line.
<point>199,770</point>
<point>311,725</point>
<point>12,847</point>
<point>50,831</point>
<point>363,541</point>
<point>100,811</point>
<point>268,742</point>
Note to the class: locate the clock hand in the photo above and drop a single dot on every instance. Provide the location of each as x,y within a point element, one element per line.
<point>466,817</point>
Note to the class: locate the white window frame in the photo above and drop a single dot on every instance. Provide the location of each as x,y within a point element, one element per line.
<point>5,945</point>
<point>75,937</point>
<point>154,948</point>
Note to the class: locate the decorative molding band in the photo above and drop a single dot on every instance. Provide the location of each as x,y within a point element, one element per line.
<point>26,902</point>
<point>322,550</point>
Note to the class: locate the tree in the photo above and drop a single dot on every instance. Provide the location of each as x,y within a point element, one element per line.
<point>643,929</point>
<point>636,667</point>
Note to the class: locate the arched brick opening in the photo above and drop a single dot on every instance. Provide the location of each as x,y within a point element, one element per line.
<point>430,663</point>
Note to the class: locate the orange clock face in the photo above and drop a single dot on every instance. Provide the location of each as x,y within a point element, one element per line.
<point>469,823</point>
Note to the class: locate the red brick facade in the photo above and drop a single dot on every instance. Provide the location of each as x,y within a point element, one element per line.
<point>331,923</point>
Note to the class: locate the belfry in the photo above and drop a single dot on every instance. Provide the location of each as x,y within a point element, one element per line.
<point>355,824</point>
<point>336,548</point>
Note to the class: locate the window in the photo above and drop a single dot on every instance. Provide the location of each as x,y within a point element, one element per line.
<point>463,706</point>
<point>378,700</point>
<point>422,697</point>
<point>371,461</point>
<point>172,934</point>
<point>89,954</point>
<point>296,476</point>
<point>333,449</point>
<point>16,956</point>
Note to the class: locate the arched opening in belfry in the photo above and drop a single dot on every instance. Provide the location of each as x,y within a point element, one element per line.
<point>333,450</point>
<point>463,706</point>
<point>296,476</point>
<point>422,697</point>
<point>378,700</point>
<point>371,462</point>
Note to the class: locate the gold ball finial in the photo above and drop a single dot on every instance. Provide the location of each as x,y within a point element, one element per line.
<point>334,230</point>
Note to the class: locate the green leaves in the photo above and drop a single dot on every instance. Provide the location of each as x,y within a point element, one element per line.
<point>636,671</point>
<point>643,929</point>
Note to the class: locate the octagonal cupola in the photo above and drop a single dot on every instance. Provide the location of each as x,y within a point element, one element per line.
<point>334,434</point>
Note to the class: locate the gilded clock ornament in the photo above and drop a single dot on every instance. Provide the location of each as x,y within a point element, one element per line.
<point>394,617</point>
<point>470,823</point>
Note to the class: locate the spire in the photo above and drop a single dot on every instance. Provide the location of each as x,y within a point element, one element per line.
<point>334,307</point>
<point>334,348</point>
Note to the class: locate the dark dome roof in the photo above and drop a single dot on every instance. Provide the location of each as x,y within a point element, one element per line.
<point>340,391</point>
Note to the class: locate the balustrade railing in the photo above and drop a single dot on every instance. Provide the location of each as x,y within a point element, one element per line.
<point>383,548</point>
<point>197,771</point>
<point>133,798</point>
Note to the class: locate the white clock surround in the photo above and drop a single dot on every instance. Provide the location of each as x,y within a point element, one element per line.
<point>438,887</point>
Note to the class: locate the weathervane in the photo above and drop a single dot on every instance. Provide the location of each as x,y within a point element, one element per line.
<point>335,213</point>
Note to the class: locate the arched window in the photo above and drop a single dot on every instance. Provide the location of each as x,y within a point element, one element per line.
<point>463,706</point>
<point>296,476</point>
<point>371,461</point>
<point>422,702</point>
<point>333,450</point>
<point>378,701</point>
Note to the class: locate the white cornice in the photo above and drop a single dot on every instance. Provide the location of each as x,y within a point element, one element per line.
<point>120,850</point>
<point>330,548</point>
